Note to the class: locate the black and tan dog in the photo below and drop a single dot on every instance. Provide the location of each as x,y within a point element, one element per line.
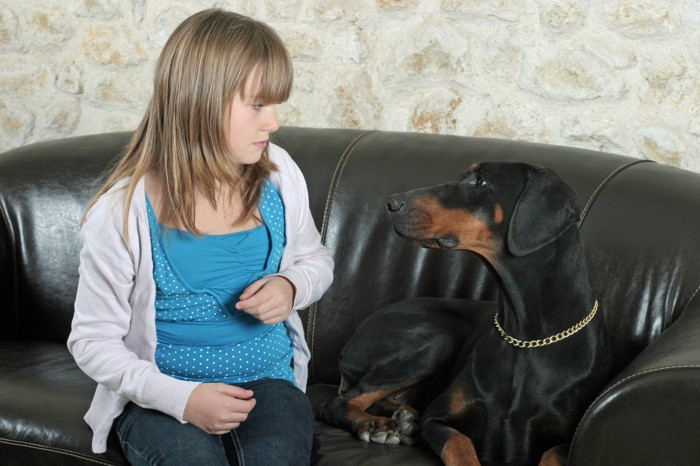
<point>501,382</point>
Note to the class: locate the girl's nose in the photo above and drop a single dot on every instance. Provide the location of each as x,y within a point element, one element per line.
<point>271,123</point>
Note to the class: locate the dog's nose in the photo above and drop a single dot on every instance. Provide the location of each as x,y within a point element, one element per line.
<point>394,205</point>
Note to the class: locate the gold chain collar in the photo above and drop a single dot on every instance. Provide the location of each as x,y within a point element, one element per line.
<point>549,340</point>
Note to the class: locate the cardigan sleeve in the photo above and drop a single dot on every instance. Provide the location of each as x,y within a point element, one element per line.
<point>307,262</point>
<point>103,339</point>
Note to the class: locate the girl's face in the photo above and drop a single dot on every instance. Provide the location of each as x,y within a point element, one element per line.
<point>250,125</point>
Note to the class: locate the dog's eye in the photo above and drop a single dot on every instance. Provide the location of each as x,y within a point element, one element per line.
<point>479,181</point>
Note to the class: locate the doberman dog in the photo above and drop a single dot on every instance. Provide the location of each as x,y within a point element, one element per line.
<point>502,382</point>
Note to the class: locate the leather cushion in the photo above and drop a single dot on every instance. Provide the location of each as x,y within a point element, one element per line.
<point>43,397</point>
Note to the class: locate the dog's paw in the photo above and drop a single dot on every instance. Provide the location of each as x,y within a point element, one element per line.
<point>382,430</point>
<point>388,437</point>
<point>364,435</point>
<point>407,425</point>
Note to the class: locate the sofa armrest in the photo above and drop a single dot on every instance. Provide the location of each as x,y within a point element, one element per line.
<point>649,413</point>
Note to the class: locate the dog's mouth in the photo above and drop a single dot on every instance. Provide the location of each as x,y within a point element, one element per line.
<point>447,242</point>
<point>437,243</point>
<point>444,242</point>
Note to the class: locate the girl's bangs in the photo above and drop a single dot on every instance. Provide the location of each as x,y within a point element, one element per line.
<point>275,76</point>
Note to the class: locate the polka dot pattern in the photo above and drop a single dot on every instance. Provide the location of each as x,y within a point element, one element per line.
<point>201,336</point>
<point>268,355</point>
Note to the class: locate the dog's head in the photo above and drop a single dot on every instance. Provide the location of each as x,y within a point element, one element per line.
<point>495,206</point>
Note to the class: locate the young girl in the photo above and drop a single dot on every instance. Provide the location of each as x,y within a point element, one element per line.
<point>197,251</point>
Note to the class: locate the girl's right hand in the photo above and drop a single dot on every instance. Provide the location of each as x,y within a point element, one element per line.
<point>217,408</point>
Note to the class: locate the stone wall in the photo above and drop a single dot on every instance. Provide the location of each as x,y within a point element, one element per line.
<point>613,75</point>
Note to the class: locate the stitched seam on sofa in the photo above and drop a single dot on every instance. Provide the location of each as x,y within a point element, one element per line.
<point>56,450</point>
<point>601,186</point>
<point>692,296</point>
<point>13,265</point>
<point>585,416</point>
<point>335,181</point>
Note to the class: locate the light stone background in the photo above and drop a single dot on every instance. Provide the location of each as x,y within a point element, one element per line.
<point>613,75</point>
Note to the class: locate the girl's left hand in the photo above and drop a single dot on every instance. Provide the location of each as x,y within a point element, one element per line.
<point>269,299</point>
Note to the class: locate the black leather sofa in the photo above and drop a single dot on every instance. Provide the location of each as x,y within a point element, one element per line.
<point>641,231</point>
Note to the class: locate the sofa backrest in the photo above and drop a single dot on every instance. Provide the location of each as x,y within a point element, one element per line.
<point>640,229</point>
<point>44,188</point>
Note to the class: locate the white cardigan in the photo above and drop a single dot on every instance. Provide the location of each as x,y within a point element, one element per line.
<point>113,336</point>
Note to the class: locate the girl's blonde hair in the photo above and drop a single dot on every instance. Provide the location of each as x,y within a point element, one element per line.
<point>183,134</point>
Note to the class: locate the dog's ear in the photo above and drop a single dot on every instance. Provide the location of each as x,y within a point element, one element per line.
<point>545,209</point>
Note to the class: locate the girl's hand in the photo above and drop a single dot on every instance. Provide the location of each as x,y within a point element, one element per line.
<point>269,299</point>
<point>217,408</point>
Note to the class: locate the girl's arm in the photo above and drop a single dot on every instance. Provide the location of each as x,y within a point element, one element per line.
<point>108,339</point>
<point>310,267</point>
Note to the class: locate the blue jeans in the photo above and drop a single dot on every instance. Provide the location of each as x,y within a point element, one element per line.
<point>278,431</point>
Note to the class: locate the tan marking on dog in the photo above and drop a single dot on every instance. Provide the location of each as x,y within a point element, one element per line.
<point>553,457</point>
<point>459,451</point>
<point>498,214</point>
<point>473,234</point>
<point>364,422</point>
<point>357,406</point>
<point>458,402</point>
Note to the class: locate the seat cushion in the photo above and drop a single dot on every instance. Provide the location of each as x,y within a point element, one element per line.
<point>43,397</point>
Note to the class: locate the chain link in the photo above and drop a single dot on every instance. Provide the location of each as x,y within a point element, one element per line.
<point>549,340</point>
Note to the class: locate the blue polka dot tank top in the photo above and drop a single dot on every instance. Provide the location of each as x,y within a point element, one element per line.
<point>201,335</point>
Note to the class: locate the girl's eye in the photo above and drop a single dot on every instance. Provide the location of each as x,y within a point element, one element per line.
<point>257,106</point>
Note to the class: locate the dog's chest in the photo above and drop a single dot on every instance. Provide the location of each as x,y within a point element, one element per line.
<point>526,383</point>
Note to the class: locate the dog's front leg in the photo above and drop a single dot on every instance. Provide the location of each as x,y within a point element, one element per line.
<point>454,448</point>
<point>458,450</point>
